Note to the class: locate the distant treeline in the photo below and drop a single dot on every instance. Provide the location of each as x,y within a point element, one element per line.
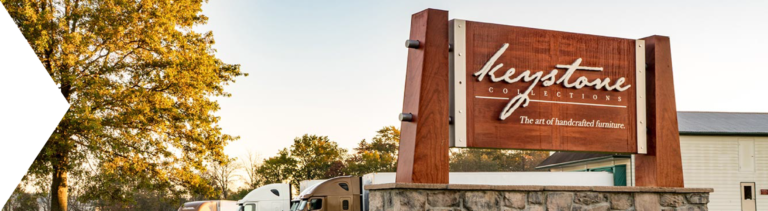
<point>316,157</point>
<point>309,157</point>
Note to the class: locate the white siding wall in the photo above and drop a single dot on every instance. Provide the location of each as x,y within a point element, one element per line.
<point>713,162</point>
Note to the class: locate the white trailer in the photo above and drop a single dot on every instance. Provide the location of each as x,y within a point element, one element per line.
<point>228,206</point>
<point>272,197</point>
<point>213,205</point>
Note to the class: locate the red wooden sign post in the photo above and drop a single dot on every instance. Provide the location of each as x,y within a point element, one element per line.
<point>423,156</point>
<point>472,84</point>
<point>662,166</point>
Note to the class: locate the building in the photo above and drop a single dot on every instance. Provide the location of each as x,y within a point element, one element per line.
<point>720,150</point>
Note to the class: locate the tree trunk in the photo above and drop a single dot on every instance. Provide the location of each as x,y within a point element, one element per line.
<point>59,185</point>
<point>60,160</point>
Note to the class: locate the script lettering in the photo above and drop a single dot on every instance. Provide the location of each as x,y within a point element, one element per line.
<point>522,99</point>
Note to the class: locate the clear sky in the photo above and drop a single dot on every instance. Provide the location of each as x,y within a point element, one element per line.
<point>337,68</point>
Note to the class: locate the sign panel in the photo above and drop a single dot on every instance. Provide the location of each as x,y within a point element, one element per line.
<point>523,88</point>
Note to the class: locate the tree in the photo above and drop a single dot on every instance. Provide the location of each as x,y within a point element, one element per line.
<point>482,160</point>
<point>337,168</point>
<point>251,166</point>
<point>485,160</point>
<point>532,159</point>
<point>279,168</point>
<point>21,200</point>
<point>223,174</point>
<point>140,84</point>
<point>314,155</point>
<point>379,155</point>
<point>239,193</point>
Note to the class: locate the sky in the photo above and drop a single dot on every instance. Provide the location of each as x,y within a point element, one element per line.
<point>337,68</point>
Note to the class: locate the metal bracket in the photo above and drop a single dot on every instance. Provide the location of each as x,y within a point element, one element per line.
<point>640,72</point>
<point>412,44</point>
<point>406,117</point>
<point>458,77</point>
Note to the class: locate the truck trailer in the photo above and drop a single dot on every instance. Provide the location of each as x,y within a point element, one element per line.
<point>215,205</point>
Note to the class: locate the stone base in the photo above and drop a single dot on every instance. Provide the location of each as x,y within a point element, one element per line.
<point>411,196</point>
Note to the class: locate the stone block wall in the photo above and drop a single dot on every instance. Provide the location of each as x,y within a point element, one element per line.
<point>432,197</point>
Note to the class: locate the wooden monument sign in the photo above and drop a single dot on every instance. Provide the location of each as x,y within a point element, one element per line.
<point>524,88</point>
<point>482,85</point>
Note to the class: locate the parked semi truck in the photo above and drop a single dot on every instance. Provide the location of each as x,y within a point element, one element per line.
<point>303,185</point>
<point>216,205</point>
<point>347,193</point>
<point>272,197</point>
<point>339,193</point>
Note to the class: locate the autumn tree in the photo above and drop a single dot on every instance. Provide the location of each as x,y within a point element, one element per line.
<point>222,175</point>
<point>278,169</point>
<point>378,155</point>
<point>482,160</point>
<point>140,84</point>
<point>337,168</point>
<point>21,200</point>
<point>532,158</point>
<point>493,160</point>
<point>315,157</point>
<point>250,165</point>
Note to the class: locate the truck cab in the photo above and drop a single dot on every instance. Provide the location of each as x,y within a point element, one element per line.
<point>272,197</point>
<point>295,204</point>
<point>340,193</point>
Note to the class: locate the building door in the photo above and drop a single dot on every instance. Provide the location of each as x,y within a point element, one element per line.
<point>619,173</point>
<point>748,196</point>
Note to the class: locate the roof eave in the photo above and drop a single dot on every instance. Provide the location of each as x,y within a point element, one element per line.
<point>722,133</point>
<point>582,160</point>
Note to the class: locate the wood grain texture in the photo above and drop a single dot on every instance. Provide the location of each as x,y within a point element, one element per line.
<point>662,166</point>
<point>541,50</point>
<point>423,156</point>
